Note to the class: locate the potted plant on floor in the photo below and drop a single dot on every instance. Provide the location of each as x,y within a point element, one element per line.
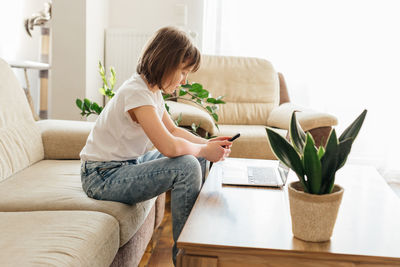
<point>314,199</point>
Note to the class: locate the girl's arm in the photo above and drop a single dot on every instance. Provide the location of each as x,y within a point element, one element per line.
<point>173,146</point>
<point>179,132</point>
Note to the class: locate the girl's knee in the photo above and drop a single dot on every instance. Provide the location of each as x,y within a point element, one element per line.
<point>190,166</point>
<point>190,162</point>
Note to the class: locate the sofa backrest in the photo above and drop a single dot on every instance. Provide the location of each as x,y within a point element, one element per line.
<point>20,139</point>
<point>250,87</point>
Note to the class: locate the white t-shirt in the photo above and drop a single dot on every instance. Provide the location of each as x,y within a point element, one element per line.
<point>115,136</point>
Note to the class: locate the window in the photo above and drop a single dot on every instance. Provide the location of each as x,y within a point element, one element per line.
<point>338,56</point>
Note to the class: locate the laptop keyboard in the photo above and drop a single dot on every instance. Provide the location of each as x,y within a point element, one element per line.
<point>261,175</point>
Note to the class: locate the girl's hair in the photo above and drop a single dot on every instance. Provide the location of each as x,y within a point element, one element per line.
<point>163,54</point>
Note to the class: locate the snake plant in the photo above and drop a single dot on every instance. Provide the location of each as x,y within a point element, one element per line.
<point>315,167</point>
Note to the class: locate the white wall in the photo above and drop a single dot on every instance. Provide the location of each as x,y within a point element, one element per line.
<point>15,43</point>
<point>68,58</point>
<point>77,40</point>
<point>77,46</point>
<point>96,22</point>
<point>150,15</point>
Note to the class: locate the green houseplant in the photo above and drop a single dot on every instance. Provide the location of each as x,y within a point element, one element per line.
<point>194,93</point>
<point>314,199</point>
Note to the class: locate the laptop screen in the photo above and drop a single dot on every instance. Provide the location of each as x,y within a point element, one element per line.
<point>283,171</point>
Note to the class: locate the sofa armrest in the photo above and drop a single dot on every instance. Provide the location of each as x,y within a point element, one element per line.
<point>191,114</point>
<point>63,139</point>
<point>309,119</point>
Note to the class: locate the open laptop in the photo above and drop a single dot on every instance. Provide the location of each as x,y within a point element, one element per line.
<point>263,173</point>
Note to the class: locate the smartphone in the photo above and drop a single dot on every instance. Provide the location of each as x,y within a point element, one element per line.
<point>234,137</point>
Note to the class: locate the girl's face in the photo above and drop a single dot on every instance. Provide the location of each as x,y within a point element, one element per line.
<point>177,79</point>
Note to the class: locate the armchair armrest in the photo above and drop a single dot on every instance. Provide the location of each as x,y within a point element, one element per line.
<point>191,114</point>
<point>319,124</point>
<point>309,119</point>
<point>63,139</point>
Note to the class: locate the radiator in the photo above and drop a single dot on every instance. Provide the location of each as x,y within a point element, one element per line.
<point>122,50</point>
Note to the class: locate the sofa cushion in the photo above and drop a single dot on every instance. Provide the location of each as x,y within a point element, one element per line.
<point>250,87</point>
<point>20,140</point>
<point>253,142</point>
<point>56,185</point>
<point>63,139</point>
<point>58,238</point>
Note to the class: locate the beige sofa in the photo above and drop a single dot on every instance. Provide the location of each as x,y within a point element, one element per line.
<point>45,217</point>
<point>256,96</point>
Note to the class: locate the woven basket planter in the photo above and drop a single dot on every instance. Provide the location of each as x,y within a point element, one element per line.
<point>313,216</point>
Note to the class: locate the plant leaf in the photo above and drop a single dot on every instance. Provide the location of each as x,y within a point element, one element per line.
<point>211,100</point>
<point>79,103</point>
<point>312,165</point>
<point>86,104</point>
<point>297,135</point>
<point>182,92</point>
<point>329,162</point>
<point>196,87</point>
<point>96,108</point>
<point>111,81</point>
<point>354,128</point>
<point>286,154</point>
<point>112,78</point>
<point>194,127</point>
<point>344,150</point>
<point>188,85</point>
<point>219,100</point>
<point>179,119</point>
<point>102,73</point>
<point>215,116</point>
<point>203,94</point>
<point>102,91</point>
<point>166,96</point>
<point>94,105</point>
<point>321,152</point>
<point>101,68</point>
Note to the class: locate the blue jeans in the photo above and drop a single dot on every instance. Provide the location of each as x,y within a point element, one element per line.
<point>146,177</point>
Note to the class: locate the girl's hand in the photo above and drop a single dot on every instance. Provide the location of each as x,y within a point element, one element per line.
<point>216,150</point>
<point>221,138</point>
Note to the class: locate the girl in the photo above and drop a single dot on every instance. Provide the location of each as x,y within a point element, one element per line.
<point>117,161</point>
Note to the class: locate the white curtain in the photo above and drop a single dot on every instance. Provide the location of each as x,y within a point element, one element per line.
<point>338,56</point>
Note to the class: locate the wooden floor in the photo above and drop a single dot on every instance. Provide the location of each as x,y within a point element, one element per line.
<point>159,250</point>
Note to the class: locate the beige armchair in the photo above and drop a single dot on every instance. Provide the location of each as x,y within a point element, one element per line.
<point>256,96</point>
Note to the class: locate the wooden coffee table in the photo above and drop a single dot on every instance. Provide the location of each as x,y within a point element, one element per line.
<point>247,226</point>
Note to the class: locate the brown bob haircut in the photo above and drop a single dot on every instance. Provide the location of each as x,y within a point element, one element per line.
<point>163,54</point>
